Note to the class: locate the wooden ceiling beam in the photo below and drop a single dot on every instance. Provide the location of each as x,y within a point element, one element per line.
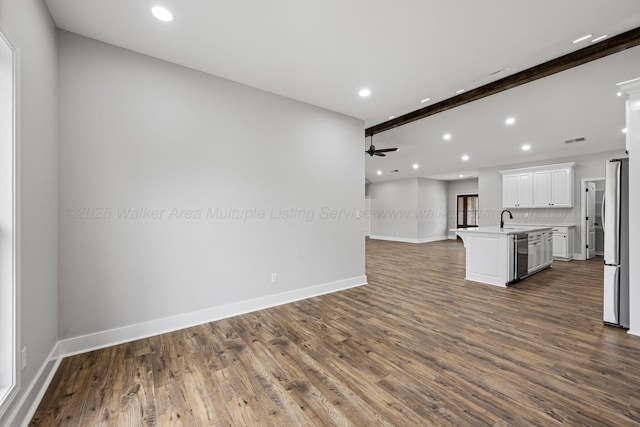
<point>595,51</point>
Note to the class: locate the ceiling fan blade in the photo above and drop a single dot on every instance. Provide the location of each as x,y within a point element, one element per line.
<point>380,154</point>
<point>386,150</point>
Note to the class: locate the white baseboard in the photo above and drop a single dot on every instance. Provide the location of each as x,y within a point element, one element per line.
<point>433,239</point>
<point>28,404</point>
<point>102,339</point>
<point>409,240</point>
<point>636,333</point>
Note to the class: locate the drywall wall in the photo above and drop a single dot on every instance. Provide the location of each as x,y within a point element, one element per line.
<point>408,210</point>
<point>432,210</point>
<point>490,194</point>
<point>180,191</point>
<point>29,29</point>
<point>455,189</point>
<point>393,209</point>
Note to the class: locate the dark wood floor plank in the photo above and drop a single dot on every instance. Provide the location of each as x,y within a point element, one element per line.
<point>419,345</point>
<point>137,401</point>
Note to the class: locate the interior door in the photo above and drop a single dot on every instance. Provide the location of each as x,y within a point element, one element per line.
<point>591,216</point>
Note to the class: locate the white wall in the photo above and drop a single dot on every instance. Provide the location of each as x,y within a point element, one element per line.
<point>393,209</point>
<point>455,189</point>
<point>432,210</point>
<point>490,194</point>
<point>408,210</point>
<point>139,136</point>
<point>30,30</point>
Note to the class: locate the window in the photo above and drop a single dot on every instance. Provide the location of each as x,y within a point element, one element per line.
<point>467,211</point>
<point>8,288</point>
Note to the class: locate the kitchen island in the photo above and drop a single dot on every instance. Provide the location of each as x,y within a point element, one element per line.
<point>501,256</point>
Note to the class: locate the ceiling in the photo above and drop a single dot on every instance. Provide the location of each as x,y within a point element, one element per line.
<point>404,51</point>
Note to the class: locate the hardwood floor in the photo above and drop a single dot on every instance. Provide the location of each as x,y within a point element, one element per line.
<point>418,346</point>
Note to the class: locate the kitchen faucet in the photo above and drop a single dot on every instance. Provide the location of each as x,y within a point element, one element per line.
<point>502,217</point>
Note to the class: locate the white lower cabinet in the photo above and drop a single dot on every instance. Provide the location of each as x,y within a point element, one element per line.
<point>540,251</point>
<point>563,242</point>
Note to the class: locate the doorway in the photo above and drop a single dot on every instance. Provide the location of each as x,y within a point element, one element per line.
<point>591,224</point>
<point>467,210</point>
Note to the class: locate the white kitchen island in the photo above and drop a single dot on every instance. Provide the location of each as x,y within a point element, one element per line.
<point>492,255</point>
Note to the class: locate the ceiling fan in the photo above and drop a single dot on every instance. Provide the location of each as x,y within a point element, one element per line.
<point>380,152</point>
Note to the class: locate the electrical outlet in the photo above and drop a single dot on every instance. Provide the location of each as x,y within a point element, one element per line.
<point>274,277</point>
<point>24,357</point>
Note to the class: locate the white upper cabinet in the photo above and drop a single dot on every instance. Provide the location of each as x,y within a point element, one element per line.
<point>517,190</point>
<point>542,180</point>
<point>538,187</point>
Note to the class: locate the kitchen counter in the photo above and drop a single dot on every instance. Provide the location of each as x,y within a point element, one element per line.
<point>513,229</point>
<point>491,252</point>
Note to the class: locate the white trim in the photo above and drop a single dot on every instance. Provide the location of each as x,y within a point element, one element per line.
<point>410,240</point>
<point>15,386</point>
<point>28,403</point>
<point>102,339</point>
<point>433,239</point>
<point>636,333</point>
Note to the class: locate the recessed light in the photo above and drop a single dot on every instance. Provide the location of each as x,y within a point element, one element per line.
<point>460,176</point>
<point>422,101</point>
<point>465,158</point>
<point>379,172</point>
<point>624,130</point>
<point>364,92</point>
<point>460,91</point>
<point>446,136</point>
<point>526,147</point>
<point>510,120</point>
<point>597,39</point>
<point>415,166</point>
<point>619,93</point>
<point>583,38</point>
<point>392,117</point>
<point>162,14</point>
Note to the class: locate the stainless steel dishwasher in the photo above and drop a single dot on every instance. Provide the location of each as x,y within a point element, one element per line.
<point>520,256</point>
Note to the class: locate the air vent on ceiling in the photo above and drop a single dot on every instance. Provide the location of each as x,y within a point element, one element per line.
<point>571,141</point>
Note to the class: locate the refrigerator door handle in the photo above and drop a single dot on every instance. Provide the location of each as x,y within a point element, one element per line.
<point>602,215</point>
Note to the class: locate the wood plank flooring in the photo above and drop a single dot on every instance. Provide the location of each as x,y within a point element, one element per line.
<point>418,346</point>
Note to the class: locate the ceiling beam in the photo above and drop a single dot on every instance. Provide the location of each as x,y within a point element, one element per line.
<point>595,51</point>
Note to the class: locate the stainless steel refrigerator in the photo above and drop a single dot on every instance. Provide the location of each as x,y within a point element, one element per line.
<point>615,215</point>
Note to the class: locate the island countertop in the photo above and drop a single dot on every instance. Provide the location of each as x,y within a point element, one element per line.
<point>505,231</point>
<point>501,256</point>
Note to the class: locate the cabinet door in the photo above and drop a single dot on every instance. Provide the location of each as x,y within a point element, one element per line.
<point>540,254</point>
<point>559,245</point>
<point>533,257</point>
<point>549,249</point>
<point>509,191</point>
<point>525,190</point>
<point>561,188</point>
<point>542,189</point>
